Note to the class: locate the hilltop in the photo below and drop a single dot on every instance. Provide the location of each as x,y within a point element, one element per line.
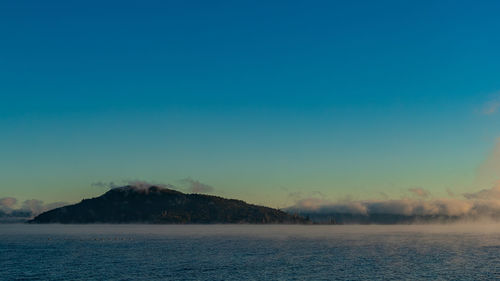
<point>153,204</point>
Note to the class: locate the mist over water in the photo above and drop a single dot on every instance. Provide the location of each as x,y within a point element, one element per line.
<point>272,231</point>
<point>249,252</point>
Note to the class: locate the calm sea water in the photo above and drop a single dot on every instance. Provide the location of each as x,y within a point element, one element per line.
<point>246,252</point>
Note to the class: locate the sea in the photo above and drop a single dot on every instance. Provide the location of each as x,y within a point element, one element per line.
<point>249,252</point>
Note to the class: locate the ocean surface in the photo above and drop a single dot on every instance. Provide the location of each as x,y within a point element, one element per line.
<point>249,252</point>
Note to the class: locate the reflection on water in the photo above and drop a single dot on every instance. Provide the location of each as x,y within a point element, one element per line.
<point>249,252</point>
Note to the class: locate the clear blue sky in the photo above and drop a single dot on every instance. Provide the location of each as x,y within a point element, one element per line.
<point>258,99</point>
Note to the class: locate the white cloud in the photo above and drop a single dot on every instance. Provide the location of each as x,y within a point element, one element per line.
<point>196,186</point>
<point>7,203</point>
<point>420,192</point>
<point>481,203</point>
<point>29,208</point>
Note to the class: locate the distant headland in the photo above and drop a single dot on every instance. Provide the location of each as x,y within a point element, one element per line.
<point>158,205</point>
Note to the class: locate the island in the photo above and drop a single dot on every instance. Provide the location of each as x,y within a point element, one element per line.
<point>159,205</point>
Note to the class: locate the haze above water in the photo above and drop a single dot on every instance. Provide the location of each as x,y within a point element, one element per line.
<point>249,252</point>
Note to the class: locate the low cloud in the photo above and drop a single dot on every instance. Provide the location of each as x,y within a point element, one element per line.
<point>7,203</point>
<point>195,186</point>
<point>406,207</point>
<point>139,184</point>
<point>312,204</point>
<point>420,192</point>
<point>36,207</point>
<point>143,186</point>
<point>136,184</point>
<point>28,209</point>
<point>484,203</point>
<point>104,185</point>
<point>485,194</point>
<point>188,185</point>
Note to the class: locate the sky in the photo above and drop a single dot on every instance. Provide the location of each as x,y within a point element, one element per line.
<point>271,102</point>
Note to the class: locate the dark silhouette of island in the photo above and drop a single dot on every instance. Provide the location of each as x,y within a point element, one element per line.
<point>158,205</point>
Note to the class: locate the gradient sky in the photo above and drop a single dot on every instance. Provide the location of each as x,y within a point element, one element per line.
<point>265,101</point>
